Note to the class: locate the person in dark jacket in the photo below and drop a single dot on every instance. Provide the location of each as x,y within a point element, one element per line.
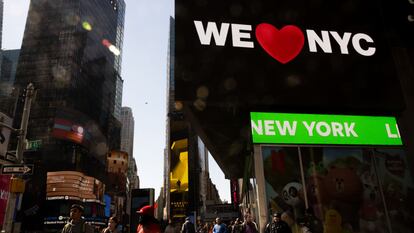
<point>237,227</point>
<point>188,226</point>
<point>249,226</point>
<point>76,223</point>
<point>277,225</point>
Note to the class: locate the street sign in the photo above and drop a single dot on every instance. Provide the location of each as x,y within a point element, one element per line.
<point>4,133</point>
<point>23,169</point>
<point>289,128</point>
<point>33,145</point>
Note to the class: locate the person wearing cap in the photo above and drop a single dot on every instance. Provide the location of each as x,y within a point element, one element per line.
<point>277,225</point>
<point>219,227</point>
<point>76,224</point>
<point>188,226</point>
<point>147,223</point>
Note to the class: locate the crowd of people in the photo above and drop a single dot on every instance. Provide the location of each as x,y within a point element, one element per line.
<point>148,224</point>
<point>218,226</point>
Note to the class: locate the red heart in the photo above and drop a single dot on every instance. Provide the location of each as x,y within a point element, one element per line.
<point>284,44</point>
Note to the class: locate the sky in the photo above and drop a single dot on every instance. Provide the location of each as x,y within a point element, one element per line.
<point>144,70</point>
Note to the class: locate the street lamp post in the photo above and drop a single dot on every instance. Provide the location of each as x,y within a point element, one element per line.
<point>12,205</point>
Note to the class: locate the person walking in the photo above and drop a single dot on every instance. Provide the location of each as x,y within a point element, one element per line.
<point>237,227</point>
<point>277,225</point>
<point>112,224</point>
<point>249,226</point>
<point>188,226</point>
<point>147,223</point>
<point>76,223</point>
<point>170,227</point>
<point>219,227</point>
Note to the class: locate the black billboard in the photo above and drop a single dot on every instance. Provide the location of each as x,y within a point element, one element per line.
<point>139,199</point>
<point>296,55</point>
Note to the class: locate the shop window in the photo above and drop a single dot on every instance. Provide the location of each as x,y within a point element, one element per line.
<point>339,189</point>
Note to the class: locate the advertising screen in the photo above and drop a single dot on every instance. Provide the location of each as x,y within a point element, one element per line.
<point>319,55</point>
<point>139,199</point>
<point>71,185</point>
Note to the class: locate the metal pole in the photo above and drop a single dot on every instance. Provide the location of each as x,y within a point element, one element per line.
<point>22,132</point>
<point>302,174</point>
<point>30,91</point>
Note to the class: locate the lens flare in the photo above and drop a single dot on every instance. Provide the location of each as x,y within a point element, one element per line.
<point>86,26</point>
<point>114,50</point>
<point>106,43</point>
<point>111,47</point>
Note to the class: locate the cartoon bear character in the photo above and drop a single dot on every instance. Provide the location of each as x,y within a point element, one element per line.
<point>343,184</point>
<point>344,189</point>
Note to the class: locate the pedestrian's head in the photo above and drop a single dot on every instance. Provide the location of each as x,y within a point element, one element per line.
<point>113,222</point>
<point>218,220</point>
<point>146,210</point>
<point>248,217</point>
<point>146,213</point>
<point>76,212</point>
<point>277,217</point>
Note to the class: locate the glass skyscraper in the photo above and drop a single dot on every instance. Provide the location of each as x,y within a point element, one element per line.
<point>71,52</point>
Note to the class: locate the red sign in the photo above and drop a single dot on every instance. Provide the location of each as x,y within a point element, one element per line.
<point>4,195</point>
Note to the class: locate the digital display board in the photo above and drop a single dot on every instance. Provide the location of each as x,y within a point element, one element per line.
<point>297,54</point>
<point>139,199</point>
<point>286,128</point>
<point>71,185</point>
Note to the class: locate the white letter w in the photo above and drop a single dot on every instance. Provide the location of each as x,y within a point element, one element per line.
<point>205,35</point>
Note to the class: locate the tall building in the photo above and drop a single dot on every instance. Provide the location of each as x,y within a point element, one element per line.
<point>187,185</point>
<point>118,98</point>
<point>1,22</point>
<point>70,52</point>
<point>127,145</point>
<point>8,67</point>
<point>127,132</point>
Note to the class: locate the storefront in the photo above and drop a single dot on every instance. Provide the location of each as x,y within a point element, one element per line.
<point>350,173</point>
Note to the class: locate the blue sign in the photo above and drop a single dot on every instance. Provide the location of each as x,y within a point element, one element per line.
<point>107,205</point>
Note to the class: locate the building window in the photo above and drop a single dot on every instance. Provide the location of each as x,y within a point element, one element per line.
<point>114,161</point>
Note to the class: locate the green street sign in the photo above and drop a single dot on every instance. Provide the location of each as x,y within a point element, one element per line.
<point>287,128</point>
<point>33,145</point>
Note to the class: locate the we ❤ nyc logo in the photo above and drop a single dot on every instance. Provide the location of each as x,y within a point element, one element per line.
<point>286,43</point>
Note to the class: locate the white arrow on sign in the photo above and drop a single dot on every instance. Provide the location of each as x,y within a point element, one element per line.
<point>17,169</point>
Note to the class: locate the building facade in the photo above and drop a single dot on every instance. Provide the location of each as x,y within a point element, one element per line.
<point>8,67</point>
<point>1,22</point>
<point>66,54</point>
<point>127,132</point>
